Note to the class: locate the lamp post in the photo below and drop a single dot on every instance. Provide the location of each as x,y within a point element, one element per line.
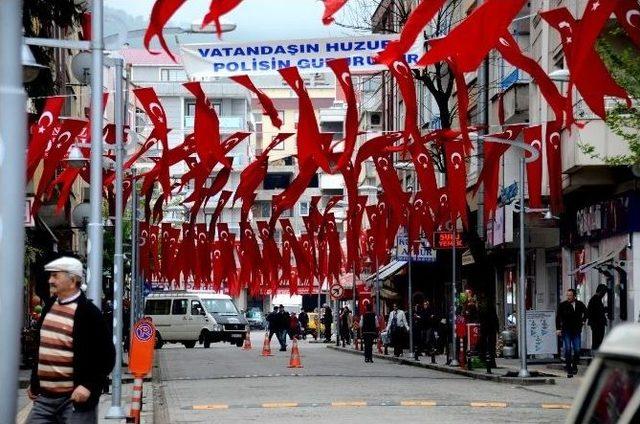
<point>13,132</point>
<point>522,326</point>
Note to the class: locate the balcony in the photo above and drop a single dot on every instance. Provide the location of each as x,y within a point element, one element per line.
<point>228,124</point>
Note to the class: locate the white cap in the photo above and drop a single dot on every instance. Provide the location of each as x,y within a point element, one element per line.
<point>66,264</point>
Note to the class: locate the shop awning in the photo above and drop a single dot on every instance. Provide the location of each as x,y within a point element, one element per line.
<point>388,294</point>
<point>388,271</point>
<point>609,257</point>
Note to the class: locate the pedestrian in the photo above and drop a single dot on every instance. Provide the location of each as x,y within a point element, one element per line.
<point>283,327</point>
<point>272,324</point>
<point>597,316</point>
<point>369,330</point>
<point>75,351</point>
<point>327,320</point>
<point>570,318</point>
<point>489,326</point>
<point>294,326</point>
<point>346,322</point>
<point>303,318</point>
<point>398,329</point>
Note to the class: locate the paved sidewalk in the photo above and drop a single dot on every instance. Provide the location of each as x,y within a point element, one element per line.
<point>541,374</point>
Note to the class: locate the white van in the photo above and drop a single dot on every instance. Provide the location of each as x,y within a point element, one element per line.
<point>191,317</point>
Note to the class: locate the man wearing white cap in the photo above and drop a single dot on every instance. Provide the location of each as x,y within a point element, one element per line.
<point>75,352</point>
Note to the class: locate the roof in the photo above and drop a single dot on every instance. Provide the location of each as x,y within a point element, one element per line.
<point>143,57</point>
<point>623,340</point>
<point>188,293</point>
<point>389,270</point>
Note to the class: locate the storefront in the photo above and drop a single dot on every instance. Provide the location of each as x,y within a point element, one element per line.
<point>598,248</point>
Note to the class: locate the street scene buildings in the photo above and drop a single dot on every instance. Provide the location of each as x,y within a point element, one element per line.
<point>202,179</point>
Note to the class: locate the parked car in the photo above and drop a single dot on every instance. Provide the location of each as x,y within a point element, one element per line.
<point>312,328</point>
<point>256,319</point>
<point>191,317</point>
<point>610,389</point>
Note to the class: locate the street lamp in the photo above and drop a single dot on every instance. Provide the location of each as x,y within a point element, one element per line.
<point>30,68</point>
<point>522,326</point>
<point>560,75</point>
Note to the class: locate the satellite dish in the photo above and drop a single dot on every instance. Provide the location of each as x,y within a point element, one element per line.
<point>81,67</point>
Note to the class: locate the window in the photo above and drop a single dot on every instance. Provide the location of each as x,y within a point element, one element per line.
<point>304,208</point>
<point>262,209</point>
<point>375,119</point>
<point>257,117</point>
<point>196,308</point>
<point>277,180</point>
<point>220,306</point>
<point>179,307</point>
<point>157,307</point>
<point>314,183</point>
<point>173,74</point>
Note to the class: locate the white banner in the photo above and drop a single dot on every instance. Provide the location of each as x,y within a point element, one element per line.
<point>207,61</point>
<point>541,333</point>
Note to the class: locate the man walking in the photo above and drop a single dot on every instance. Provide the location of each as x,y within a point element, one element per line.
<point>398,329</point>
<point>303,318</point>
<point>327,320</point>
<point>283,320</point>
<point>570,318</point>
<point>75,352</point>
<point>369,332</point>
<point>272,323</point>
<point>597,317</point>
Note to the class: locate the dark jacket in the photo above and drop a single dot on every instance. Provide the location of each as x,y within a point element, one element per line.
<point>272,320</point>
<point>570,319</point>
<point>93,351</point>
<point>596,312</point>
<point>369,323</point>
<point>328,316</point>
<point>304,318</point>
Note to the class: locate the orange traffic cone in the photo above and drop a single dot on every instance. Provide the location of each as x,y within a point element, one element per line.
<point>247,342</point>
<point>266,346</point>
<point>294,362</point>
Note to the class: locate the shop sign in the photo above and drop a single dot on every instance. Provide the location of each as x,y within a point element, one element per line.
<point>541,333</point>
<point>29,219</point>
<point>508,194</point>
<point>444,240</point>
<point>610,217</point>
<point>425,252</point>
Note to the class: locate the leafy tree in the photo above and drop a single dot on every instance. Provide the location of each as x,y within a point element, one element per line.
<point>621,58</point>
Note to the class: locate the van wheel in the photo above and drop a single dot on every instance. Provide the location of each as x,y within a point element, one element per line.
<point>206,339</point>
<point>190,344</point>
<point>239,343</point>
<point>159,341</point>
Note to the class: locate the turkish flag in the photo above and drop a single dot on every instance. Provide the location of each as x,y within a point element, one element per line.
<point>456,180</point>
<point>554,165</point>
<point>162,11</point>
<point>425,171</point>
<point>157,209</point>
<point>228,257</point>
<point>395,197</point>
<point>144,247</point>
<point>187,251</point>
<point>203,255</point>
<point>203,196</point>
<point>376,147</point>
<point>153,108</point>
<point>222,201</point>
<point>420,16</point>
<point>463,105</point>
<point>378,220</point>
<point>403,76</point>
<point>484,26</point>
<point>289,197</point>
<point>309,139</point>
<point>41,133</point>
<point>270,254</point>
<point>266,102</point>
<point>340,68</point>
<point>154,239</point>
<point>533,137</point>
<point>289,235</point>
<point>217,8</point>
<point>628,15</point>
<point>218,262</point>
<point>593,82</point>
<point>66,178</point>
<point>335,250</point>
<point>511,52</point>
<point>490,173</point>
<point>206,128</point>
<point>331,7</point>
<point>353,235</point>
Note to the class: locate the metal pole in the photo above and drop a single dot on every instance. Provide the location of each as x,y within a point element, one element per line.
<point>522,325</point>
<point>134,250</point>
<point>378,308</point>
<point>13,133</point>
<point>116,411</point>
<point>354,290</point>
<point>94,245</point>
<point>454,352</point>
<point>410,314</point>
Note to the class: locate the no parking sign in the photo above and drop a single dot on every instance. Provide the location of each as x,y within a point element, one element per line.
<point>143,342</point>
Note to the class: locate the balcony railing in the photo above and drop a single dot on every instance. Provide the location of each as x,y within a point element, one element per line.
<point>227,123</point>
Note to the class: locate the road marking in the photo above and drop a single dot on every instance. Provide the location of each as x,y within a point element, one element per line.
<point>556,406</point>
<point>210,407</point>
<point>418,403</point>
<point>488,404</point>
<point>280,405</point>
<point>348,404</point>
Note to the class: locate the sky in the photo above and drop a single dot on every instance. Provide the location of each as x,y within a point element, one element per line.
<point>255,19</point>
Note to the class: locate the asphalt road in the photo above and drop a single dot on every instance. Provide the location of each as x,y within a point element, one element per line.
<point>226,383</point>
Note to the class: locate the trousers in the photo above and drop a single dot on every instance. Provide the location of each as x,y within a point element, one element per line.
<point>59,410</point>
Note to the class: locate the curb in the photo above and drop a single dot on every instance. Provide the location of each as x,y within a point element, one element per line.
<point>533,381</point>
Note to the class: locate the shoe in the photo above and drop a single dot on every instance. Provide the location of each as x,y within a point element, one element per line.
<point>569,375</point>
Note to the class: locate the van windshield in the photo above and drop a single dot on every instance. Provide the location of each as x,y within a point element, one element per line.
<point>220,306</point>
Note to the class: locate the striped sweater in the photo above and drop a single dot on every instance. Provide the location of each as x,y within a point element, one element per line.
<point>55,357</point>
